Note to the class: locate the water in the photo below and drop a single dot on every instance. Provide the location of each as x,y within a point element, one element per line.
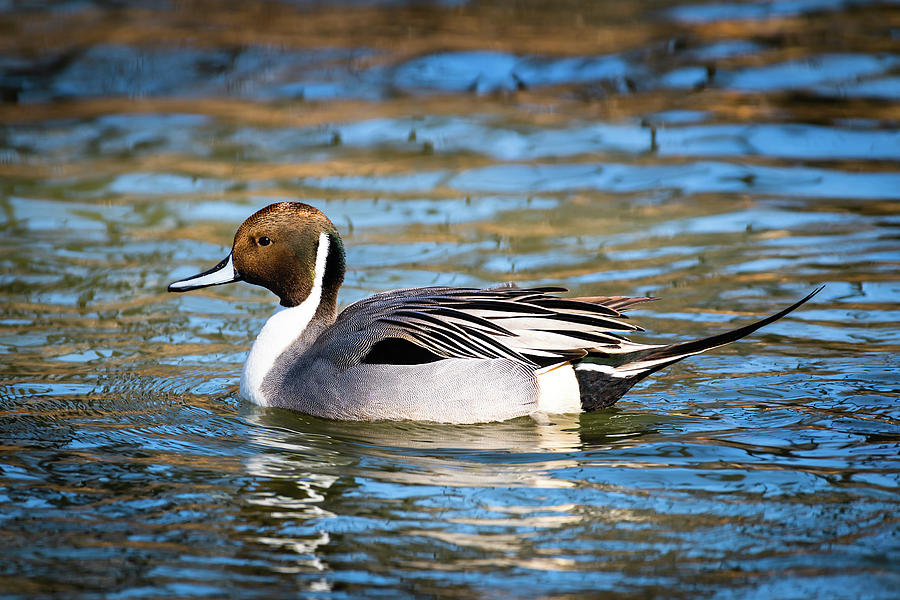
<point>727,157</point>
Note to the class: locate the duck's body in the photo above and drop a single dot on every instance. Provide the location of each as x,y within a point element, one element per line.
<point>454,355</point>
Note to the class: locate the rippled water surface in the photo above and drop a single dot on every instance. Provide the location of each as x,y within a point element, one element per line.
<point>727,157</point>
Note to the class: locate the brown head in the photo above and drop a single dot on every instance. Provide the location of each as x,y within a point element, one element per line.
<point>280,248</point>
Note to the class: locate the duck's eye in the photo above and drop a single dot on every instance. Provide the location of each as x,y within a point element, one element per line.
<point>263,241</point>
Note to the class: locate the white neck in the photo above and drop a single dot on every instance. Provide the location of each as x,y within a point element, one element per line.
<point>280,331</point>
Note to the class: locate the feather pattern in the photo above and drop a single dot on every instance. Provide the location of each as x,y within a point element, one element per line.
<point>528,325</point>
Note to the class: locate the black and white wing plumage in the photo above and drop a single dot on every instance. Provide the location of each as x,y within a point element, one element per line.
<point>532,326</point>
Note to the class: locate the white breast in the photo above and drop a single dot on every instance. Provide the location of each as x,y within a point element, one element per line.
<point>280,331</point>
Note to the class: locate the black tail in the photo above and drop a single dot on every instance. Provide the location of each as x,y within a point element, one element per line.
<point>602,386</point>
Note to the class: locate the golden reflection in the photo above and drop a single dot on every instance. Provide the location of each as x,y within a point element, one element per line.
<point>122,428</point>
<point>522,27</point>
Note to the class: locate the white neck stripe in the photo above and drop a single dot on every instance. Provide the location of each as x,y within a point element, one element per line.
<point>321,260</point>
<point>281,330</point>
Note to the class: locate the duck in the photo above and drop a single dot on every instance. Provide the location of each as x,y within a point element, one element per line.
<point>458,355</point>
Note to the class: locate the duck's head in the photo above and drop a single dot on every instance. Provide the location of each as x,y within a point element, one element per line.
<point>289,248</point>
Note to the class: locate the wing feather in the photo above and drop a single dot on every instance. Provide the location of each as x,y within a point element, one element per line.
<point>532,326</point>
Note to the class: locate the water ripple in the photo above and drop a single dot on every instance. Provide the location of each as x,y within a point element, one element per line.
<point>725,157</point>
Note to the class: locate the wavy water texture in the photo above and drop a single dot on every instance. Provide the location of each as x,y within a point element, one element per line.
<point>727,157</point>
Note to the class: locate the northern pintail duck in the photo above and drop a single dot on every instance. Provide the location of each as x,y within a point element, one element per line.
<point>457,355</point>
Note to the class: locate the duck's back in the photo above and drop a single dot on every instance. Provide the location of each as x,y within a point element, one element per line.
<point>367,366</point>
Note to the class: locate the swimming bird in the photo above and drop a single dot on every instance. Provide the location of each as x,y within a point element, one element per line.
<point>445,354</point>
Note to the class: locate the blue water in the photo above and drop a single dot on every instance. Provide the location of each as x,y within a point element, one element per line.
<point>726,157</point>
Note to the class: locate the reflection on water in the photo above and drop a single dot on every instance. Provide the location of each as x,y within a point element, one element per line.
<point>727,157</point>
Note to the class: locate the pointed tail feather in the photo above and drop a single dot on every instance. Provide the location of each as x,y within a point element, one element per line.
<point>602,385</point>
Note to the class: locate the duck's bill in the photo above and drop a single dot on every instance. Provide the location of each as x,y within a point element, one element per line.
<point>221,273</point>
